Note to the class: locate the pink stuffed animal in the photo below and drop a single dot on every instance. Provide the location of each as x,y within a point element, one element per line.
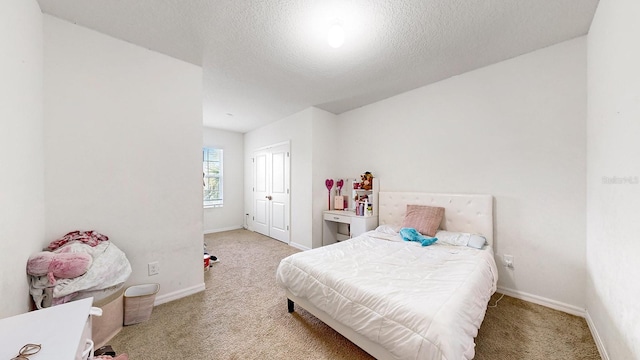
<point>58,265</point>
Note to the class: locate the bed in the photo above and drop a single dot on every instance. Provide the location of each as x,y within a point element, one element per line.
<point>397,299</point>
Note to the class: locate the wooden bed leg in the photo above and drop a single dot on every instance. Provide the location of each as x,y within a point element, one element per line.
<point>290,305</point>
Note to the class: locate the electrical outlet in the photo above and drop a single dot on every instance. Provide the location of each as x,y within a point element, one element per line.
<point>154,268</point>
<point>508,261</point>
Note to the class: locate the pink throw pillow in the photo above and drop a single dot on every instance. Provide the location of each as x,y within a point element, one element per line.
<point>425,219</point>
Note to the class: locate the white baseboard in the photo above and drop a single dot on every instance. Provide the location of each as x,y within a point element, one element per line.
<point>596,337</point>
<point>298,246</point>
<point>560,306</point>
<point>213,231</point>
<point>553,304</point>
<point>178,294</point>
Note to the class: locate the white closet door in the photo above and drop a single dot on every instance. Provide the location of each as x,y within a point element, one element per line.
<point>261,193</point>
<point>280,193</point>
<point>271,191</point>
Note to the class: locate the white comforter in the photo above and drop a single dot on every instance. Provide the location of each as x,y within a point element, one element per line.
<point>417,302</point>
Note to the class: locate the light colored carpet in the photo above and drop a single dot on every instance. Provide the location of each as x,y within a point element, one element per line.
<point>243,315</point>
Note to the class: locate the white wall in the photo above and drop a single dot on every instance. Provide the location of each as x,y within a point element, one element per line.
<point>231,215</point>
<point>297,129</point>
<point>515,130</point>
<point>325,158</point>
<point>123,144</point>
<point>21,152</point>
<point>613,210</point>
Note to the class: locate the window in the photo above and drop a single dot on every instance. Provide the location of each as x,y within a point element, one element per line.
<point>212,176</point>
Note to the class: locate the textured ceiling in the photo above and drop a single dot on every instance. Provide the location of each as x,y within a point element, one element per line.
<point>266,59</point>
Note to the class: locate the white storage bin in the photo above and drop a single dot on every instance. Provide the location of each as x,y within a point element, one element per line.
<point>138,303</point>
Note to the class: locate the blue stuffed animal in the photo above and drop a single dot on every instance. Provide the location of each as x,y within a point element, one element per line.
<point>411,234</point>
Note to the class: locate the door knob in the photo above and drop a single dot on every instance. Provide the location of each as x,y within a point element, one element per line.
<point>268,197</point>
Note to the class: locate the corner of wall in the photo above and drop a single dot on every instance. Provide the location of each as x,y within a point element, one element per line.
<point>21,148</point>
<point>596,336</point>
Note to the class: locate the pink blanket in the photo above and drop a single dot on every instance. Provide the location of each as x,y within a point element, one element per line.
<point>91,238</point>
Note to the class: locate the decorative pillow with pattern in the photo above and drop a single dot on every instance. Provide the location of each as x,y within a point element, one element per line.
<point>425,219</point>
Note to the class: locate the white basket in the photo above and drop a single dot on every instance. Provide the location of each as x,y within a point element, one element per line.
<point>138,303</point>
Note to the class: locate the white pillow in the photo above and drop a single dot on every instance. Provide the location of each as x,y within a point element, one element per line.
<point>388,229</point>
<point>476,241</point>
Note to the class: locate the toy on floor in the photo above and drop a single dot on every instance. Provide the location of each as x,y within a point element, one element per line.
<point>209,259</point>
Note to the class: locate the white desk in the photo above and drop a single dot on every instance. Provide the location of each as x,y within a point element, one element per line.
<point>356,225</point>
<point>64,331</point>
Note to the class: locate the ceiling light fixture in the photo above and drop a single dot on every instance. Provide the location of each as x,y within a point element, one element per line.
<point>335,36</point>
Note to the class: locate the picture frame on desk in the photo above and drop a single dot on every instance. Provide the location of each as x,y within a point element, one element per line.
<point>341,202</point>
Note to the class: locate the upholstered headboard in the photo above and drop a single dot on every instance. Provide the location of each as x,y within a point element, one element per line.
<point>470,213</point>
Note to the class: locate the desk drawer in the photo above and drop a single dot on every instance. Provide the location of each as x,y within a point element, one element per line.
<point>338,218</point>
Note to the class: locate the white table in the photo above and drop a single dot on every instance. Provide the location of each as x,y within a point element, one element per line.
<point>64,331</point>
<point>357,225</point>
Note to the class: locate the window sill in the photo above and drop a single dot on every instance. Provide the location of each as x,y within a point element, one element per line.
<point>212,206</point>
